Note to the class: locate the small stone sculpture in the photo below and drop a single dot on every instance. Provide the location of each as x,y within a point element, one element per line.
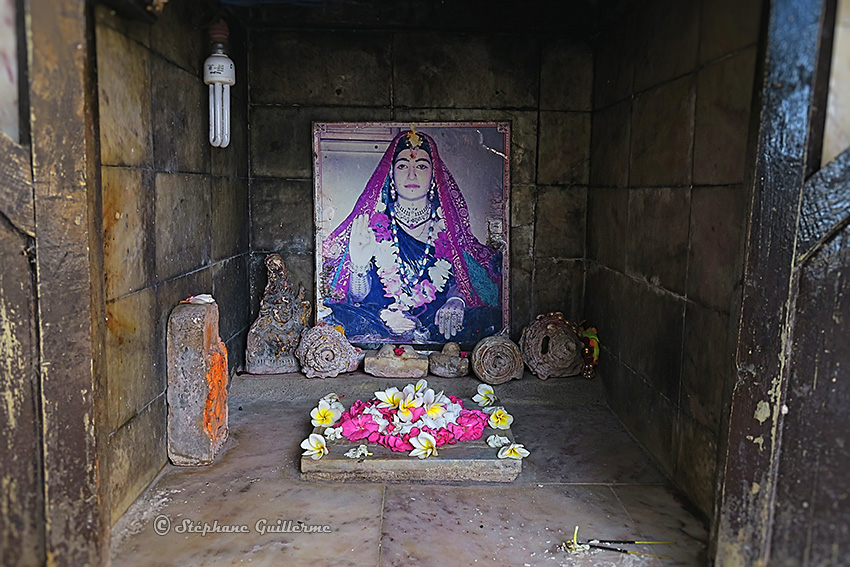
<point>551,346</point>
<point>396,362</point>
<point>197,384</point>
<point>324,352</point>
<point>497,359</point>
<point>273,337</point>
<point>449,363</point>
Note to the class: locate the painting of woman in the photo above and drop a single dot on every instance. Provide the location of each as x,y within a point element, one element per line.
<point>404,266</point>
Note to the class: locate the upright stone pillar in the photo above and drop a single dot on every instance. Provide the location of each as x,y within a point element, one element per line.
<point>197,385</point>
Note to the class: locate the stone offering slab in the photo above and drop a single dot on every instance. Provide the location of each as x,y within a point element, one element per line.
<point>464,461</point>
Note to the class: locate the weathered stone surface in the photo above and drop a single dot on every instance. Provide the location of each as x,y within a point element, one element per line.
<point>463,71</point>
<point>319,69</point>
<point>128,216</point>
<point>659,256</point>
<point>324,352</point>
<point>197,385</point>
<point>557,94</point>
<point>551,347</point>
<point>496,359</point>
<point>123,102</point>
<point>182,221</point>
<point>137,452</point>
<point>560,222</point>
<point>662,134</point>
<point>563,162</point>
<point>385,363</point>
<point>179,104</point>
<point>720,143</point>
<point>274,336</point>
<point>448,363</point>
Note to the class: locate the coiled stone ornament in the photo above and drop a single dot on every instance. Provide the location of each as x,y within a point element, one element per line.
<point>497,359</point>
<point>324,352</point>
<point>551,346</point>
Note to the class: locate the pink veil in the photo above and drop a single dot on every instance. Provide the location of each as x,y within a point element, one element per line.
<point>335,258</point>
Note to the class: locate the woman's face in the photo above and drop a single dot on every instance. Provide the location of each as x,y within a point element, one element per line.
<point>412,174</point>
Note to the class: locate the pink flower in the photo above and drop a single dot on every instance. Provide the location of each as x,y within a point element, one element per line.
<point>358,427</point>
<point>398,351</point>
<point>416,413</point>
<point>456,400</point>
<point>395,443</point>
<point>441,246</point>
<point>443,436</point>
<point>358,406</point>
<point>470,425</point>
<point>380,223</point>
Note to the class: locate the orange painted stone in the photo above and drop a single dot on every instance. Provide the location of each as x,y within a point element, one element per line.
<point>197,385</point>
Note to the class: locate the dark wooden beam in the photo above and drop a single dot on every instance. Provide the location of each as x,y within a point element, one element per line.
<point>63,156</point>
<point>751,456</point>
<point>16,185</point>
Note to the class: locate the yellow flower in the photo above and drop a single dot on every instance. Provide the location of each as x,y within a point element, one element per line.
<point>390,398</point>
<point>409,402</point>
<point>324,415</point>
<point>500,419</point>
<point>433,404</point>
<point>513,451</point>
<point>424,446</point>
<point>314,446</point>
<point>486,396</point>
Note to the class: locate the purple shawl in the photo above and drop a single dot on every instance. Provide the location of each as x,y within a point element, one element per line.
<point>336,262</point>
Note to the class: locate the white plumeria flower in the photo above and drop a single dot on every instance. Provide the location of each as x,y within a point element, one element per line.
<point>333,433</point>
<point>407,404</point>
<point>324,415</point>
<point>409,390</point>
<point>390,398</point>
<point>333,400</point>
<point>491,409</point>
<point>421,386</point>
<point>500,419</point>
<point>513,451</point>
<point>424,446</point>
<point>314,446</point>
<point>433,404</point>
<point>358,452</point>
<point>486,396</point>
<point>497,441</point>
<point>378,418</point>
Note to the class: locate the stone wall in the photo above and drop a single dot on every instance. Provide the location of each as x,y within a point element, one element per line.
<point>666,217</point>
<point>540,83</point>
<point>175,216</point>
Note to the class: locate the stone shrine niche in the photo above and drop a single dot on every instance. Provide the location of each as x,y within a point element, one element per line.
<point>273,337</point>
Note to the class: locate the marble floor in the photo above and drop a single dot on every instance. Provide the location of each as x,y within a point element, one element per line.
<point>584,470</point>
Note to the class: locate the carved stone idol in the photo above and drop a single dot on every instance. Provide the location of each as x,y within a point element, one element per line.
<point>496,359</point>
<point>274,336</point>
<point>324,352</point>
<point>449,363</point>
<point>551,346</point>
<point>396,362</point>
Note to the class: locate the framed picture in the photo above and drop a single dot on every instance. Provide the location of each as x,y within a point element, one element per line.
<point>412,230</point>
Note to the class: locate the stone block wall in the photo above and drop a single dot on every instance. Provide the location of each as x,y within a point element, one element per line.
<point>666,221</point>
<point>541,83</point>
<point>175,218</point>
